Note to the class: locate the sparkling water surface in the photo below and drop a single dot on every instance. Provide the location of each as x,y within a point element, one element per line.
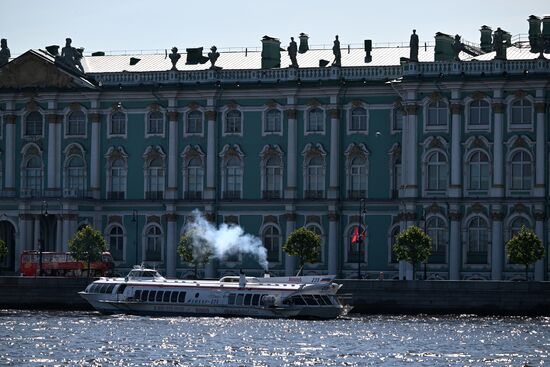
<point>38,338</point>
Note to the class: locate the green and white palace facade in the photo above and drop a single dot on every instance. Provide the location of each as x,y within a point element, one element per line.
<point>132,146</point>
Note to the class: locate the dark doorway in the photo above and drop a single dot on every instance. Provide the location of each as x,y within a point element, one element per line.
<point>48,232</point>
<point>7,234</point>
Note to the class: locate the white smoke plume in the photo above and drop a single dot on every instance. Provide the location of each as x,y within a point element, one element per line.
<point>225,240</point>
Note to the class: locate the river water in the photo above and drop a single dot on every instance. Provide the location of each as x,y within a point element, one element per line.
<point>39,338</point>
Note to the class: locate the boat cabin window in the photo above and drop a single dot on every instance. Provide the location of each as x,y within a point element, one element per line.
<point>319,299</point>
<point>247,299</point>
<point>256,300</point>
<point>327,300</point>
<point>144,295</point>
<point>159,296</point>
<point>137,294</point>
<point>231,299</point>
<point>174,297</point>
<point>166,297</point>
<point>152,295</point>
<point>110,288</point>
<point>239,300</point>
<point>181,297</point>
<point>310,300</point>
<point>121,288</point>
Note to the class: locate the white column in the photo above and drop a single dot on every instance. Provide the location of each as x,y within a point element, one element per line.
<point>456,161</point>
<point>66,232</point>
<point>172,191</point>
<point>498,154</point>
<point>539,231</point>
<point>290,261</point>
<point>334,154</point>
<point>23,233</point>
<point>455,244</point>
<point>9,177</point>
<point>333,243</point>
<point>52,169</point>
<point>95,159</point>
<point>171,254</point>
<point>210,192</point>
<point>410,151</point>
<point>540,171</point>
<point>497,244</point>
<point>58,159</point>
<point>292,148</point>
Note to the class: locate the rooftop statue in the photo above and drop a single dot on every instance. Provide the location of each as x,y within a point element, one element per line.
<point>337,53</point>
<point>457,47</point>
<point>71,56</point>
<point>292,51</point>
<point>4,52</point>
<point>213,57</point>
<point>413,44</point>
<point>174,57</point>
<point>499,44</point>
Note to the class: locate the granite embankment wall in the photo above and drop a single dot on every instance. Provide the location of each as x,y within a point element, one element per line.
<point>367,296</point>
<point>439,297</point>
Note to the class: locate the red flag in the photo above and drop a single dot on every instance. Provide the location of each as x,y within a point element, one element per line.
<point>355,235</point>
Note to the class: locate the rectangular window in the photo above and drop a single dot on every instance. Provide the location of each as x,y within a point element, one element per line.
<point>174,297</point>
<point>181,297</point>
<point>166,297</point>
<point>152,295</point>
<point>145,295</point>
<point>240,299</point>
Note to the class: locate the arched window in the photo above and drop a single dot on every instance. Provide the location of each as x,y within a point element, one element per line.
<point>118,123</point>
<point>479,113</point>
<point>521,171</point>
<point>233,122</point>
<point>32,176</point>
<point>437,171</point>
<point>116,243</point>
<point>194,179</point>
<point>437,230</point>
<point>272,121</point>
<point>358,119</point>
<point>153,246</point>
<point>117,187</point>
<point>478,241</point>
<point>478,167</point>
<point>75,176</point>
<point>317,230</point>
<point>233,178</point>
<point>315,178</point>
<point>271,240</point>
<point>155,123</point>
<point>155,180</point>
<point>33,124</point>
<point>358,178</point>
<point>356,250</point>
<point>516,225</point>
<point>194,122</point>
<point>76,124</point>
<point>315,120</point>
<point>273,179</point>
<point>522,112</point>
<point>437,113</point>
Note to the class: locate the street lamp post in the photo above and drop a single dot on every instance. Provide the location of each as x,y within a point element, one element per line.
<point>135,220</point>
<point>44,214</point>
<point>362,212</point>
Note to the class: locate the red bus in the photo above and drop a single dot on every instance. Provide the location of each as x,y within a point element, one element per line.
<point>63,264</point>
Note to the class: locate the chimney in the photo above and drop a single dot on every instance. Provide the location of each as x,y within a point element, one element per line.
<point>271,53</point>
<point>443,47</point>
<point>486,41</point>
<point>368,49</point>
<point>303,43</point>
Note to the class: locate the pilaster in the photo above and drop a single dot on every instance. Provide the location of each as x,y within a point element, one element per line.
<point>210,192</point>
<point>172,189</point>
<point>292,148</point>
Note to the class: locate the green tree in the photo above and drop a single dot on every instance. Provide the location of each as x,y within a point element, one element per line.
<point>87,245</point>
<point>413,245</point>
<point>525,248</point>
<point>304,244</point>
<point>194,250</point>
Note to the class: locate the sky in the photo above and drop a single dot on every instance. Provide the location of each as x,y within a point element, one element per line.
<point>119,25</point>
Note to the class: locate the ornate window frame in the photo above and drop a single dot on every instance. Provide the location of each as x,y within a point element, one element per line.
<point>476,144</point>
<point>29,151</point>
<point>309,152</point>
<point>116,111</point>
<point>426,105</point>
<point>113,154</point>
<point>25,117</point>
<point>353,151</point>
<point>520,96</point>
<point>307,121</point>
<point>151,154</point>
<point>154,109</point>
<point>432,145</point>
<point>350,108</point>
<point>268,152</point>
<point>145,239</point>
<point>67,113</point>
<point>225,118</point>
<point>268,109</point>
<point>467,109</point>
<point>74,150</point>
<point>466,241</point>
<point>189,153</point>
<point>107,235</point>
<point>228,152</point>
<point>263,229</point>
